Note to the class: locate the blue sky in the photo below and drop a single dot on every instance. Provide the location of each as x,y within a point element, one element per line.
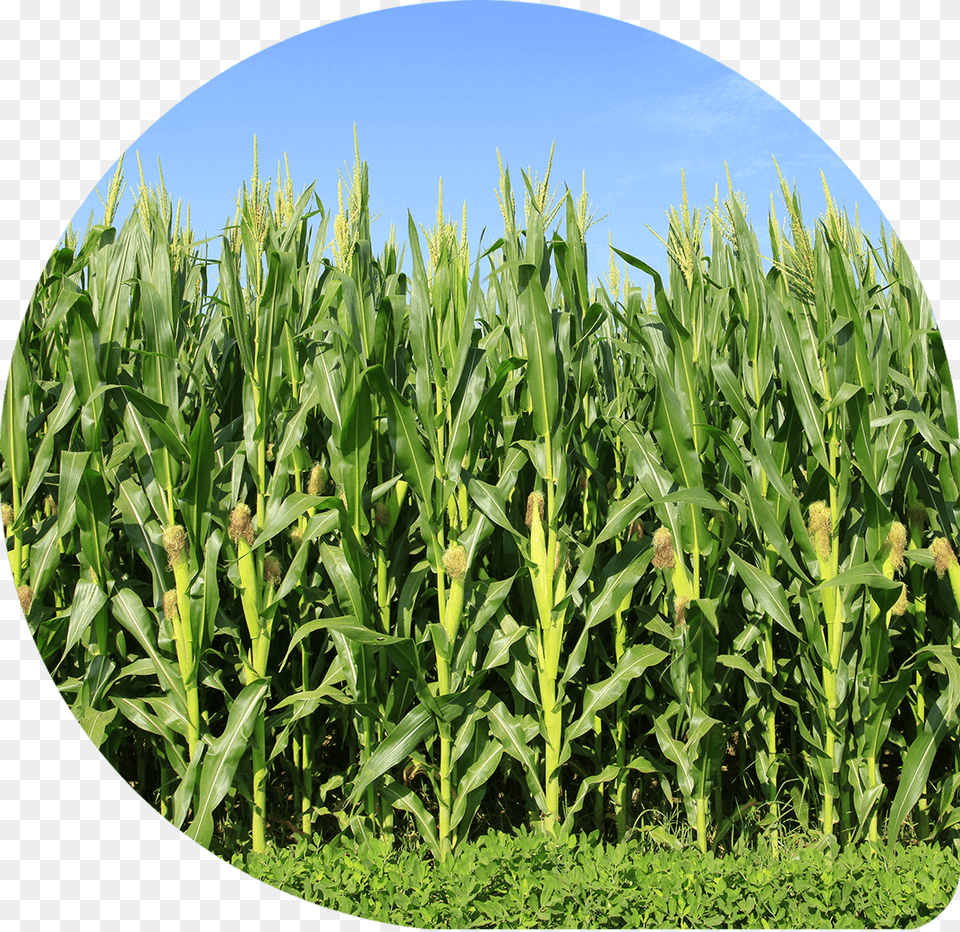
<point>435,89</point>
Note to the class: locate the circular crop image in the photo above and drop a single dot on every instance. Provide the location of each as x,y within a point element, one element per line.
<point>465,483</point>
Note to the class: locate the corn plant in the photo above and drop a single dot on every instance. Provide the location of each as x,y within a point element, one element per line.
<point>312,543</point>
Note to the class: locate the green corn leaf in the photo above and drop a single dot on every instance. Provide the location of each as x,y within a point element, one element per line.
<point>463,424</point>
<point>599,696</point>
<point>45,561</point>
<point>937,439</point>
<point>916,767</point>
<point>677,753</point>
<point>406,800</point>
<point>945,657</point>
<point>501,641</point>
<point>305,703</point>
<point>794,369</point>
<point>160,420</point>
<point>421,314</point>
<point>72,465</point>
<point>281,517</point>
<point>768,592</point>
<point>96,723</point>
<point>348,653</point>
<point>412,457</point>
<point>354,448</point>
<point>738,662</point>
<point>308,628</point>
<point>620,574</point>
<point>220,762</point>
<point>354,632</point>
<point>864,575</point>
<point>209,604</point>
<point>84,350</point>
<point>474,780</point>
<point>493,594</point>
<point>128,609</point>
<point>329,382</point>
<point>67,298</point>
<point>609,773</point>
<point>294,429</point>
<point>510,733</point>
<point>858,417</point>
<point>276,303</point>
<point>542,375</point>
<point>664,307</point>
<point>695,497</point>
<point>418,724</point>
<point>88,600</point>
<point>198,488</point>
<point>765,520</point>
<point>137,713</point>
<point>13,437</point>
<point>65,411</point>
<point>732,390</point>
<point>141,527</point>
<point>492,502</point>
<point>160,377</point>
<point>184,794</point>
<point>848,307</point>
<point>345,583</point>
<point>623,513</point>
<point>864,800</point>
<point>93,519</point>
<point>235,305</point>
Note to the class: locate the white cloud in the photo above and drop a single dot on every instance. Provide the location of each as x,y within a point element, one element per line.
<point>727,104</point>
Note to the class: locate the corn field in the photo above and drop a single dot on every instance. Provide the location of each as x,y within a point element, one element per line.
<point>311,543</point>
